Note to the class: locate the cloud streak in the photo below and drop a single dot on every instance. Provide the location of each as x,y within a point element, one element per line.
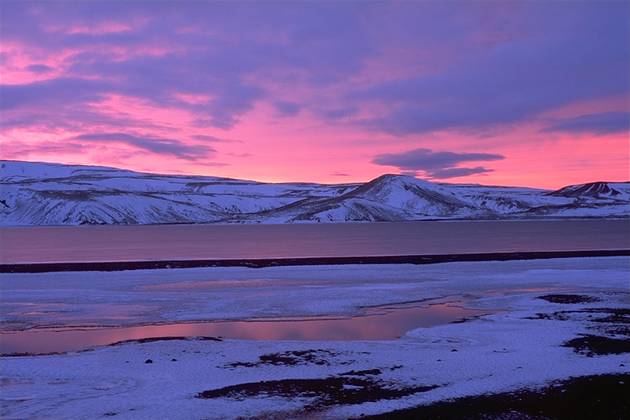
<point>600,123</point>
<point>436,165</point>
<point>152,144</point>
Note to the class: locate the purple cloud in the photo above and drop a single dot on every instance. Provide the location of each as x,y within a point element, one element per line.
<point>39,68</point>
<point>152,144</point>
<point>457,172</point>
<point>19,150</point>
<point>557,61</point>
<point>338,113</point>
<point>287,109</point>
<point>213,139</point>
<point>601,123</point>
<point>398,68</point>
<point>52,93</point>
<point>211,49</point>
<point>436,165</point>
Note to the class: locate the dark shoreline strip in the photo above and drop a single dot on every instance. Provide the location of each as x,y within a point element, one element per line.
<point>583,397</point>
<point>279,262</point>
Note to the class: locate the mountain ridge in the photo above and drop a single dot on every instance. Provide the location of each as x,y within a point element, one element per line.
<point>40,193</point>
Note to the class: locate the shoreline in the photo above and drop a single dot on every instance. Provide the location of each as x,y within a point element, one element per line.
<point>46,267</point>
<point>345,222</point>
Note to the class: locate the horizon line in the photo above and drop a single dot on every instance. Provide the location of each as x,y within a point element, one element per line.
<point>299,182</point>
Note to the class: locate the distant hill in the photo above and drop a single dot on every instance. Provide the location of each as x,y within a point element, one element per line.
<point>602,190</point>
<point>55,194</point>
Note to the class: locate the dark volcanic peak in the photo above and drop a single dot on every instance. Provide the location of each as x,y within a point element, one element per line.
<point>592,189</point>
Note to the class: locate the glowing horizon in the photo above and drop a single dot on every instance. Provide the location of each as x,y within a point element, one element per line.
<point>523,94</point>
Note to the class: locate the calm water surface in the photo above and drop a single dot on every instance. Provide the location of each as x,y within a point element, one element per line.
<point>383,323</point>
<point>188,242</point>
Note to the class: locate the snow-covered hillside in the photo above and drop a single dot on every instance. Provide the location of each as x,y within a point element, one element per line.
<point>55,194</point>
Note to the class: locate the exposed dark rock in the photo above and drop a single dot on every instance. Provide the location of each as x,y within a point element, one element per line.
<point>568,298</point>
<point>589,397</point>
<point>154,339</point>
<point>362,372</point>
<point>323,393</point>
<point>591,189</point>
<point>290,358</point>
<point>614,315</point>
<point>591,345</point>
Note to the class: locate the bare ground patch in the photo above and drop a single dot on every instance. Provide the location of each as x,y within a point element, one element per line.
<point>591,345</point>
<point>167,338</point>
<point>293,358</point>
<point>612,326</point>
<point>588,397</point>
<point>569,299</point>
<point>320,393</point>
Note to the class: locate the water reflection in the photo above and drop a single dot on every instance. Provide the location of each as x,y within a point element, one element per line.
<point>383,323</point>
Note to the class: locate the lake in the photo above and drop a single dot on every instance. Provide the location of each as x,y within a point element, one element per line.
<point>190,242</point>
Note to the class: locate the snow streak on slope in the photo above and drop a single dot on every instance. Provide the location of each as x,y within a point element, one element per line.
<point>55,194</point>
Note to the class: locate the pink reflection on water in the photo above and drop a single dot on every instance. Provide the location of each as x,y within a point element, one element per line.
<point>383,323</point>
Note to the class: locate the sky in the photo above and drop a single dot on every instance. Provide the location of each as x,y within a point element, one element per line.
<point>525,93</point>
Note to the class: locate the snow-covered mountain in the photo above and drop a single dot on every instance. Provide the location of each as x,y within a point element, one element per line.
<point>600,190</point>
<point>55,194</point>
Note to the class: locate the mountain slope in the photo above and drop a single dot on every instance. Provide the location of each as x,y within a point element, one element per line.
<point>54,194</point>
<point>598,190</point>
<point>386,198</point>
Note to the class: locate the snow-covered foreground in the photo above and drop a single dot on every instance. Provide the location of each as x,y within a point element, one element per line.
<point>149,296</point>
<point>533,341</point>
